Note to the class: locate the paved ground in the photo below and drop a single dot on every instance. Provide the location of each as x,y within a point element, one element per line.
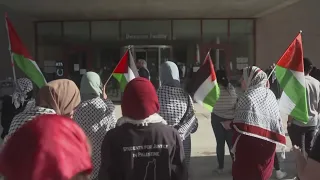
<point>203,159</point>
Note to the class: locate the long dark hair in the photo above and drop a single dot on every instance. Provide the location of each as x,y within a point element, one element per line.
<point>222,78</point>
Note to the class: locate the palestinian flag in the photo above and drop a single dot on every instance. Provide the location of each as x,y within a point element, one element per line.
<point>22,58</point>
<point>126,70</point>
<point>290,74</point>
<point>203,85</point>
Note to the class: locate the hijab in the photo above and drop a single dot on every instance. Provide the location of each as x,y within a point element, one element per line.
<point>254,77</point>
<point>257,111</point>
<point>23,87</point>
<point>169,74</point>
<point>140,99</point>
<point>48,147</point>
<point>90,86</point>
<point>61,95</point>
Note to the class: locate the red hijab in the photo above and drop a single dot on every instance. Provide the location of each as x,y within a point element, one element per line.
<point>48,147</point>
<point>140,99</point>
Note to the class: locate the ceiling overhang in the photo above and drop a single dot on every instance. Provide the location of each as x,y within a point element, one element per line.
<point>145,9</point>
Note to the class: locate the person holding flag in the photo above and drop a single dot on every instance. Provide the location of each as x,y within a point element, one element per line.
<point>95,114</point>
<point>300,99</point>
<point>258,128</point>
<point>299,131</point>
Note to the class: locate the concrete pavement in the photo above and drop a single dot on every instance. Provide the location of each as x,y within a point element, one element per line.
<point>204,160</point>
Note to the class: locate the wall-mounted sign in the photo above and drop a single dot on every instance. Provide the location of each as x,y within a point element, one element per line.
<point>146,36</point>
<point>59,70</point>
<point>59,64</point>
<point>76,67</point>
<point>242,62</point>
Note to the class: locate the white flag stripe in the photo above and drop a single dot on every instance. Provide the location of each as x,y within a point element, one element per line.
<point>130,75</point>
<point>286,105</point>
<point>204,90</point>
<point>132,65</point>
<point>300,77</point>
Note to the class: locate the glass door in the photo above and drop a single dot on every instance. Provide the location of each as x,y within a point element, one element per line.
<point>165,54</point>
<point>220,55</point>
<point>154,55</point>
<point>77,62</point>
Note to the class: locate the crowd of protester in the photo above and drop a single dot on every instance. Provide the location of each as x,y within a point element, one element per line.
<point>67,133</point>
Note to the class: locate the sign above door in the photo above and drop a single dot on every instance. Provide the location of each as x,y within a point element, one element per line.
<point>146,36</point>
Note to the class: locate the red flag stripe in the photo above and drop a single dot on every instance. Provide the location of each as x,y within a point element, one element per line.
<point>16,44</point>
<point>293,57</point>
<point>122,66</point>
<point>213,74</point>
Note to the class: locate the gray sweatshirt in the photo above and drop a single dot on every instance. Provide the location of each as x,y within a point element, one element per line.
<point>313,102</point>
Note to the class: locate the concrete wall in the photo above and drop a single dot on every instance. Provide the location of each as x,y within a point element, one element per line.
<point>276,31</point>
<point>25,29</point>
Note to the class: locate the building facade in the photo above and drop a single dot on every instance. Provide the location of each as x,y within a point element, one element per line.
<point>99,45</point>
<point>85,45</point>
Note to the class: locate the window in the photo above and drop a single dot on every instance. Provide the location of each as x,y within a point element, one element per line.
<point>49,32</point>
<point>76,31</point>
<point>242,43</point>
<point>215,31</point>
<point>186,30</point>
<point>104,30</point>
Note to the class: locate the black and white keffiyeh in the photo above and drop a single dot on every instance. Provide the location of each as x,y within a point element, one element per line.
<point>96,117</point>
<point>257,111</point>
<point>23,86</point>
<point>174,109</point>
<point>30,112</point>
<point>174,102</point>
<point>176,106</point>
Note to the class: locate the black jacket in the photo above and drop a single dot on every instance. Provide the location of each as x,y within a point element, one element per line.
<point>131,152</point>
<point>144,73</point>
<point>8,113</point>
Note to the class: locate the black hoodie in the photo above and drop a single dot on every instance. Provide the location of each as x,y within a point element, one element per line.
<point>136,152</point>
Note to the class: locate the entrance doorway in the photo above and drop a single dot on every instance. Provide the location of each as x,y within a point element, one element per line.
<point>76,63</point>
<point>220,54</point>
<point>154,55</point>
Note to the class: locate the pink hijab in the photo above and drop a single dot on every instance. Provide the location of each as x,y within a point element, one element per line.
<point>48,147</point>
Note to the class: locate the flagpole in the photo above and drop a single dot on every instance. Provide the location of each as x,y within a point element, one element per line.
<point>273,69</point>
<point>12,62</point>
<point>207,55</point>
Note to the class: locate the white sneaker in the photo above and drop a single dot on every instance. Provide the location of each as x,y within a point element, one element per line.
<point>280,174</point>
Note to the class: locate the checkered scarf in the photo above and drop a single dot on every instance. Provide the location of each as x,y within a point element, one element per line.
<point>173,106</point>
<point>23,86</point>
<point>28,114</point>
<point>96,117</point>
<point>257,112</point>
